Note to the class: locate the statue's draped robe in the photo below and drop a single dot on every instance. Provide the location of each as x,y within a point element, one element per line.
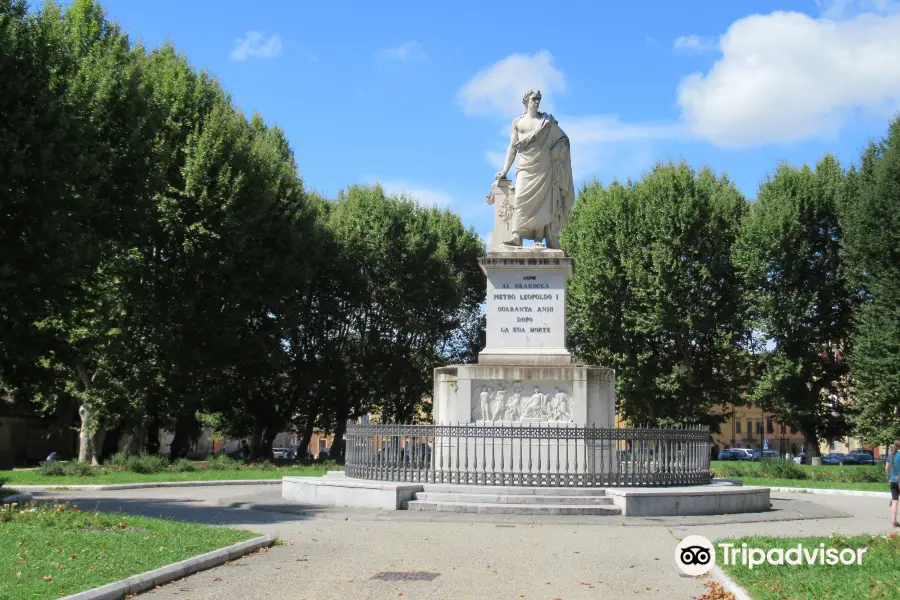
<point>545,191</point>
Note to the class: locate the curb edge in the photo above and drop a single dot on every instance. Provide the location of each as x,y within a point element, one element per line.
<point>166,574</point>
<point>62,487</point>
<point>729,584</point>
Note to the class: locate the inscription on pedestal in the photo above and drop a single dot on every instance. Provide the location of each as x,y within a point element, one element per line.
<point>526,309</point>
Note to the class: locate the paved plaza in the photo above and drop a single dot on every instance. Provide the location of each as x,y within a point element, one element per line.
<point>337,553</point>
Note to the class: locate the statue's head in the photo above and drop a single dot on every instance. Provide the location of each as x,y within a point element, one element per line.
<point>532,95</point>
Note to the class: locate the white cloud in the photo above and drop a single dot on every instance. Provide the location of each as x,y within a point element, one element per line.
<point>694,44</point>
<point>599,142</point>
<point>256,45</point>
<point>785,76</point>
<point>408,51</point>
<point>498,89</point>
<point>424,195</point>
<point>839,9</point>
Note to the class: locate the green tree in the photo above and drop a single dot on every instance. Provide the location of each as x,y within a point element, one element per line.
<point>790,250</point>
<point>655,295</point>
<point>415,282</point>
<point>107,177</point>
<point>48,245</point>
<point>871,248</point>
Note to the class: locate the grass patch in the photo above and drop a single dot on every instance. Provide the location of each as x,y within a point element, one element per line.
<point>103,475</point>
<point>822,485</point>
<point>781,473</point>
<point>52,551</point>
<point>878,574</point>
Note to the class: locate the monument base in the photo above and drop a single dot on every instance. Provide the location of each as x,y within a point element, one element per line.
<point>526,357</point>
<point>525,393</point>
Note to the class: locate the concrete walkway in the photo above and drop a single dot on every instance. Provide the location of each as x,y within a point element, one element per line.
<point>335,553</point>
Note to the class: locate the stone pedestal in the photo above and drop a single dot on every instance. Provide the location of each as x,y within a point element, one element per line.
<point>460,392</point>
<point>527,396</point>
<point>524,376</point>
<point>526,307</point>
<point>502,197</point>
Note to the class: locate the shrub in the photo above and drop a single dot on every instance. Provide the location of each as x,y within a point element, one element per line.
<point>52,468</point>
<point>780,468</point>
<point>221,463</point>
<point>147,463</point>
<point>263,465</point>
<point>184,465</point>
<point>119,459</point>
<point>77,469</point>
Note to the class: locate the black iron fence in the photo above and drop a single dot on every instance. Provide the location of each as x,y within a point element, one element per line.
<point>548,454</point>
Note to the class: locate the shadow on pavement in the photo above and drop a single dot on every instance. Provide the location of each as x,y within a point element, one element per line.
<point>233,514</point>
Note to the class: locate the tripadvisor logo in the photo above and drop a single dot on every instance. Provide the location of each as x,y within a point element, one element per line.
<point>695,555</point>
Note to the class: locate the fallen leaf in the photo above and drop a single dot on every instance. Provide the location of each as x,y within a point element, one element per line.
<point>217,579</point>
<point>47,578</point>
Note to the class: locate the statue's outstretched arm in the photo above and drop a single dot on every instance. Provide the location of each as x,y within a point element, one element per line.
<point>510,153</point>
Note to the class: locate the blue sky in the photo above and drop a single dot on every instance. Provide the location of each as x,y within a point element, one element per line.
<point>420,96</point>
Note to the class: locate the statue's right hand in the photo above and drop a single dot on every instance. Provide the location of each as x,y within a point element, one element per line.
<point>500,175</point>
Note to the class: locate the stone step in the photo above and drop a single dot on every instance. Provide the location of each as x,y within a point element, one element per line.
<point>512,490</point>
<point>513,499</point>
<point>514,509</point>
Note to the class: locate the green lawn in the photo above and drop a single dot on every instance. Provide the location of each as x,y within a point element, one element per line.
<point>103,476</point>
<point>875,577</point>
<point>53,551</point>
<point>806,483</point>
<point>778,473</point>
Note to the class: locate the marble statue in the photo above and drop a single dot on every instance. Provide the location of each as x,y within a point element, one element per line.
<point>505,404</point>
<point>544,188</point>
<point>535,407</point>
<point>561,408</point>
<point>499,405</point>
<point>485,405</point>
<point>512,406</point>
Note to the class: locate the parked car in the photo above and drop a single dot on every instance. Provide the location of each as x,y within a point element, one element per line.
<point>281,452</point>
<point>733,454</point>
<point>868,451</point>
<point>864,458</point>
<point>764,454</point>
<point>836,458</point>
<point>747,453</point>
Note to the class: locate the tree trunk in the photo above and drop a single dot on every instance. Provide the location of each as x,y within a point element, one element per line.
<point>138,440</point>
<point>97,446</point>
<point>84,438</point>
<point>151,445</point>
<point>306,438</point>
<point>812,441</point>
<point>268,440</point>
<point>256,442</point>
<point>185,431</point>
<point>338,445</point>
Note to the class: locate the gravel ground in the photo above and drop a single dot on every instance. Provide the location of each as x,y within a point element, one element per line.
<point>338,553</point>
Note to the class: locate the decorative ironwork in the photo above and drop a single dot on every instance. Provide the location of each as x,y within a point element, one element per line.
<point>506,211</point>
<point>554,454</point>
